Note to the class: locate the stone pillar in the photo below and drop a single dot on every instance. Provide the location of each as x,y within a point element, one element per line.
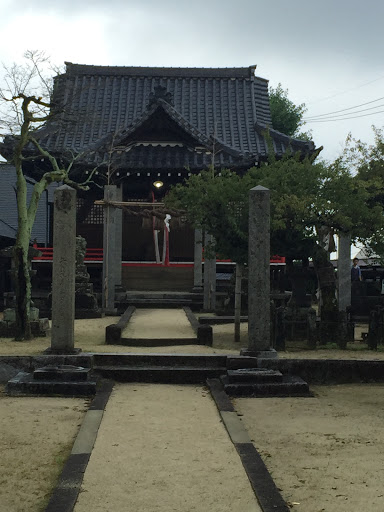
<point>212,271</point>
<point>344,272</point>
<point>209,277</point>
<point>63,271</point>
<point>198,262</point>
<point>259,344</point>
<point>119,240</point>
<point>110,249</point>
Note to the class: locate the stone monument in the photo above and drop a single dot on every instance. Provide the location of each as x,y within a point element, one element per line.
<point>259,343</point>
<point>63,271</point>
<point>85,300</point>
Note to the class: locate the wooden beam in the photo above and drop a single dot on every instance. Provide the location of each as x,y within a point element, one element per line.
<point>128,203</point>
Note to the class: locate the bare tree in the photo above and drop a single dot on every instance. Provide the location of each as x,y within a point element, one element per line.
<point>25,106</point>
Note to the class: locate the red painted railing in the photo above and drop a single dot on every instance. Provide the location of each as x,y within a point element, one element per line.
<point>47,254</point>
<point>96,254</point>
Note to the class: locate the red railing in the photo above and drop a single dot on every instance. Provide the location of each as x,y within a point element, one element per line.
<point>47,254</point>
<point>96,254</point>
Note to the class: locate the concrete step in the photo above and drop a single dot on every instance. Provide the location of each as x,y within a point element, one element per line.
<point>288,386</point>
<point>160,374</point>
<point>254,375</point>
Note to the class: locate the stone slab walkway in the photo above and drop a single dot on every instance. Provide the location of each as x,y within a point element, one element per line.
<point>164,448</point>
<point>158,323</point>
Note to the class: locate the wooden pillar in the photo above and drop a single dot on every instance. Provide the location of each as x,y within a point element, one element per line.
<point>109,249</point>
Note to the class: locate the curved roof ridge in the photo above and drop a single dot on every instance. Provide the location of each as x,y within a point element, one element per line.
<point>287,139</point>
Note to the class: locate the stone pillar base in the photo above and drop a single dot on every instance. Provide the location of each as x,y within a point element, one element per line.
<point>260,354</point>
<point>110,312</point>
<point>57,352</point>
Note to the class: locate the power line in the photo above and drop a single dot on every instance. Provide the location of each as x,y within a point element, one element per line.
<point>349,113</point>
<point>343,118</point>
<point>345,109</point>
<point>348,90</point>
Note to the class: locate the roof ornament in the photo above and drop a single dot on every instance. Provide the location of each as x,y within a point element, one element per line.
<point>159,93</point>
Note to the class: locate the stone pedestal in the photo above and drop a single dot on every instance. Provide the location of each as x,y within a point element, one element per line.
<point>63,271</point>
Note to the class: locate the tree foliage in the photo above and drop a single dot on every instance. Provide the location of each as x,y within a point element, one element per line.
<point>286,116</point>
<point>310,202</point>
<point>307,199</point>
<point>366,163</point>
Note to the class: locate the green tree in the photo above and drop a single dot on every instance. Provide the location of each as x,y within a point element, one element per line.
<point>25,105</point>
<point>366,162</point>
<point>310,202</point>
<point>286,116</point>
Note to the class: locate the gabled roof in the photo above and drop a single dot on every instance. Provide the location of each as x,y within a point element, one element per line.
<point>162,137</point>
<point>224,110</point>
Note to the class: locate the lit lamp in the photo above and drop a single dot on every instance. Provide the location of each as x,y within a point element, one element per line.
<point>158,184</point>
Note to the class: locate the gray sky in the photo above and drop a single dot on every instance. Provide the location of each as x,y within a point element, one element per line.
<point>328,54</point>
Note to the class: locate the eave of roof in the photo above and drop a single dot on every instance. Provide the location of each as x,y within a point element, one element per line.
<point>283,142</point>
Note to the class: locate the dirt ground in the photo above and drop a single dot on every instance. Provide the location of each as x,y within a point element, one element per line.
<point>325,452</point>
<point>90,337</point>
<point>36,437</point>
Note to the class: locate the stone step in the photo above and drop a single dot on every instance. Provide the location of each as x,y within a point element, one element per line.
<point>169,360</point>
<point>162,296</point>
<point>151,303</point>
<point>24,384</point>
<point>62,373</point>
<point>254,375</point>
<point>217,320</point>
<point>160,374</point>
<point>156,342</point>
<point>154,294</point>
<point>237,362</point>
<point>289,386</point>
<point>155,300</point>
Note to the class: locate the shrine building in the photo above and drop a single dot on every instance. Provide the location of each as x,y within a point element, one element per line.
<point>144,129</point>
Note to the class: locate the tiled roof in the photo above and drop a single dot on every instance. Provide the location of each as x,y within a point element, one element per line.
<point>225,108</point>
